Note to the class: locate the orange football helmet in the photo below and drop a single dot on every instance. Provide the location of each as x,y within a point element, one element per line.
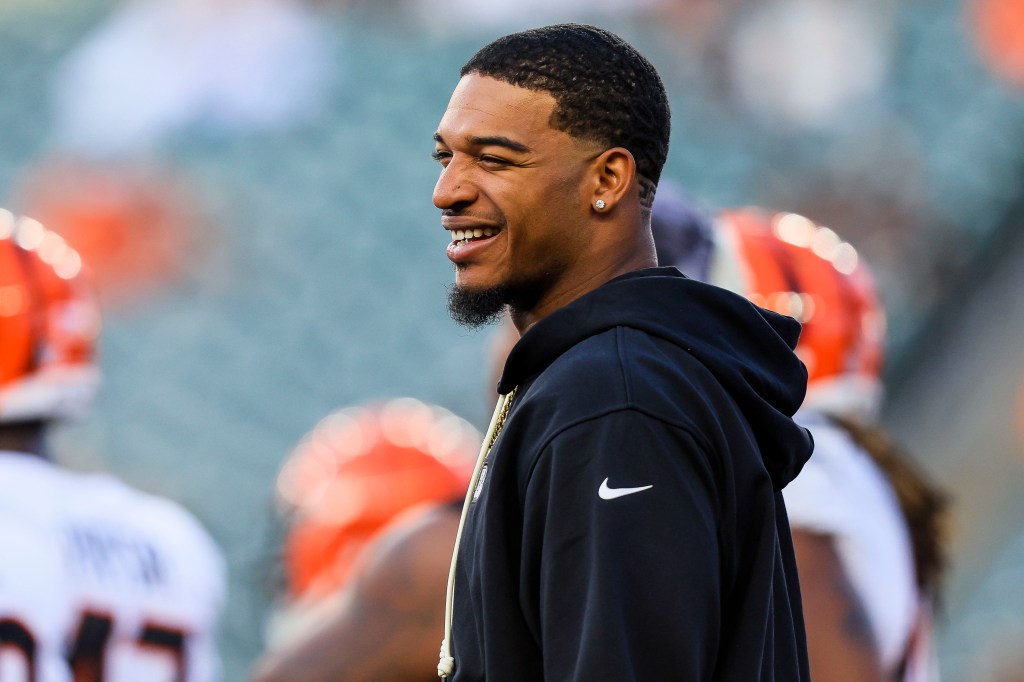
<point>355,473</point>
<point>791,265</point>
<point>49,325</point>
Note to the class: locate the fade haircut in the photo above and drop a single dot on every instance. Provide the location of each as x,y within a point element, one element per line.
<point>604,90</point>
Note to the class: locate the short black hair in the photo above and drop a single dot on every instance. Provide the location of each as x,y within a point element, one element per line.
<point>604,89</point>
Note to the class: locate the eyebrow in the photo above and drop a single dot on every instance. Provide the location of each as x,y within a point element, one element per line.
<point>492,141</point>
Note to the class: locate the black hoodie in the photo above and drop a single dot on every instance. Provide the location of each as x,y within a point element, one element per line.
<point>629,525</point>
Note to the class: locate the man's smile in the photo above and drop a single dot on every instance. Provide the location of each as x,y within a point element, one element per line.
<point>467,242</point>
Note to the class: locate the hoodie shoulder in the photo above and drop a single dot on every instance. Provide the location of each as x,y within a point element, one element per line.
<point>689,352</point>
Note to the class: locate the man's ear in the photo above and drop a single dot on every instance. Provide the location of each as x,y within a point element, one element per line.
<point>613,171</point>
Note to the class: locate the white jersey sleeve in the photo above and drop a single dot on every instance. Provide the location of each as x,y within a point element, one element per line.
<point>841,492</point>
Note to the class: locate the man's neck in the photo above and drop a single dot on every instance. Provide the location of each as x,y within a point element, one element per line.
<point>524,319</point>
<point>26,437</point>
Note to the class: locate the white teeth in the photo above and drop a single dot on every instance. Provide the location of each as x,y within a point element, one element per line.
<point>475,233</point>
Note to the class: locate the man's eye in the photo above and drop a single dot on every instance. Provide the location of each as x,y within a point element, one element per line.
<point>441,157</point>
<point>494,161</point>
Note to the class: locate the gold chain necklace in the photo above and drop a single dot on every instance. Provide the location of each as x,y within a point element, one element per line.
<point>502,416</point>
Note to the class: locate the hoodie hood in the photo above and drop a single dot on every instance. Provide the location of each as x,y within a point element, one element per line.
<point>748,349</point>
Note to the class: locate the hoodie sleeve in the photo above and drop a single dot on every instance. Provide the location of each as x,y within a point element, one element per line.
<point>621,553</point>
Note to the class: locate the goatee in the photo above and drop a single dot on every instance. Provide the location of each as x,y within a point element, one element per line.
<point>475,309</point>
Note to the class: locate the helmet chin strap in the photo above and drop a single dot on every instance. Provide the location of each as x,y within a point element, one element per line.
<point>446,662</point>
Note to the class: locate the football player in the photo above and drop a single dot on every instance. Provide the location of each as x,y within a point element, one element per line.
<point>372,498</point>
<point>139,583</point>
<point>868,528</point>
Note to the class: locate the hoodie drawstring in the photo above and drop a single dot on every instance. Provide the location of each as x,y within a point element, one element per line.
<point>446,664</point>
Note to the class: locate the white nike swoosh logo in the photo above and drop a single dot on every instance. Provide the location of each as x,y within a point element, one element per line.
<point>606,493</point>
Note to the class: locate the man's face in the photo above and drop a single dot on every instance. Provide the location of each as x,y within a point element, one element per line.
<point>511,192</point>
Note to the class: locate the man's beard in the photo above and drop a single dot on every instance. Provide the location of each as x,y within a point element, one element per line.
<point>475,309</point>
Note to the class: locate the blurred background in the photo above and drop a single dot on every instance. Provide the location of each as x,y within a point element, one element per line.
<point>251,179</point>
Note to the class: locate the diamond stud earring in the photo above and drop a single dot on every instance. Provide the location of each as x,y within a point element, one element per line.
<point>599,204</point>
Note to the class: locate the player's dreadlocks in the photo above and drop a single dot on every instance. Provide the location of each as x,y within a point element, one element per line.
<point>923,504</point>
<point>605,90</point>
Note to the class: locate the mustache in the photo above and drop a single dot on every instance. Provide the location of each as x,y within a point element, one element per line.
<point>495,218</point>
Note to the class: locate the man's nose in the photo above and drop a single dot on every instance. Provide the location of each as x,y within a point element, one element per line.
<point>453,188</point>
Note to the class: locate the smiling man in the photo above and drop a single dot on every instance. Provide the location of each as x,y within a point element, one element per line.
<point>625,521</point>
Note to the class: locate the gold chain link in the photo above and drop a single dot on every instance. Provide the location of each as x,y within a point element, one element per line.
<point>502,416</point>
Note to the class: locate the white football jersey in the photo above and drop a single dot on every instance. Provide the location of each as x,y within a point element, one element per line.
<point>142,580</point>
<point>34,614</point>
<point>842,492</point>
